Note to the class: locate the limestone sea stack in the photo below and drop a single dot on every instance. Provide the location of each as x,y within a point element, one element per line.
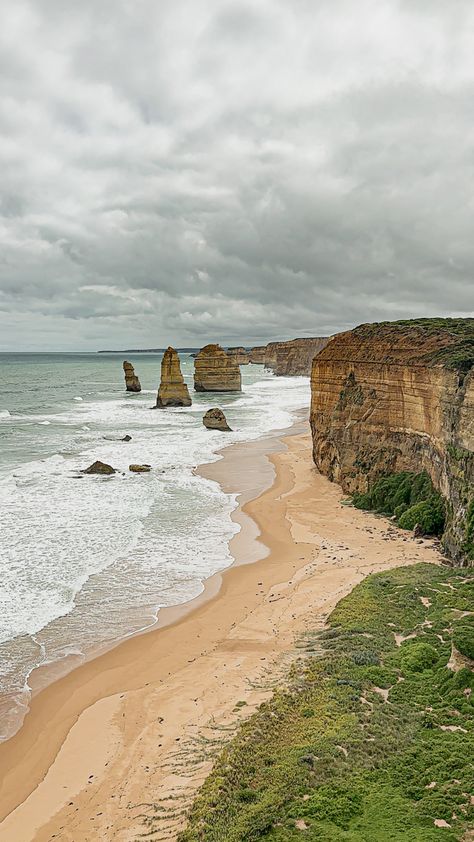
<point>173,390</point>
<point>214,419</point>
<point>132,383</point>
<point>396,397</point>
<point>215,371</point>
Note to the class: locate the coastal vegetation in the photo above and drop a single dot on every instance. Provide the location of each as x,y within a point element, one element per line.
<point>372,735</point>
<point>410,498</point>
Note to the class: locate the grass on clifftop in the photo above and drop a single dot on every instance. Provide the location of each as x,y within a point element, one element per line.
<point>410,497</point>
<point>459,355</point>
<point>370,740</point>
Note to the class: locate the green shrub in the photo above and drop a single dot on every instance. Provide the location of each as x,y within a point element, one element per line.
<point>463,637</point>
<point>428,515</point>
<point>333,804</point>
<point>418,657</point>
<point>411,497</point>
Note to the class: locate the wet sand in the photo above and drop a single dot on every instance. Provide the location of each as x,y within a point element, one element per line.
<point>104,749</point>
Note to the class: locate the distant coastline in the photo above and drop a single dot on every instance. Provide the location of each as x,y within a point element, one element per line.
<point>147,351</point>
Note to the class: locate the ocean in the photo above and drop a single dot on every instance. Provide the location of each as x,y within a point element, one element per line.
<point>87,561</point>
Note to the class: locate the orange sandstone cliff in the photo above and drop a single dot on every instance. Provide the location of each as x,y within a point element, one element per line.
<point>400,396</point>
<point>238,355</point>
<point>294,357</point>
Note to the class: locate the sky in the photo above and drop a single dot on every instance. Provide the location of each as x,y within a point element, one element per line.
<point>185,171</point>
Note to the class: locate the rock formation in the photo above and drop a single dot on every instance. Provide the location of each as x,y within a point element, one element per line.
<point>173,390</point>
<point>396,397</point>
<point>214,371</point>
<point>257,354</point>
<point>99,468</point>
<point>214,419</point>
<point>139,469</point>
<point>294,357</point>
<point>238,355</point>
<point>132,382</point>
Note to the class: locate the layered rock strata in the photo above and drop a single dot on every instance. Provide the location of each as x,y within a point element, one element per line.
<point>238,355</point>
<point>214,371</point>
<point>295,357</point>
<point>392,397</point>
<point>132,383</point>
<point>214,419</point>
<point>257,354</point>
<point>173,390</point>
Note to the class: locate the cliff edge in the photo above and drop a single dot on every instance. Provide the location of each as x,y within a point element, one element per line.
<point>399,396</point>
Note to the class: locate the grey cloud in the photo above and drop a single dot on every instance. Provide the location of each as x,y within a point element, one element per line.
<point>185,171</point>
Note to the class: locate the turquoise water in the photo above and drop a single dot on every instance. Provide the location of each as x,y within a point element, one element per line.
<point>86,561</point>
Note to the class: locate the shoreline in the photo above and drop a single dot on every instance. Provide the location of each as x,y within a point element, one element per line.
<point>116,703</point>
<point>44,675</point>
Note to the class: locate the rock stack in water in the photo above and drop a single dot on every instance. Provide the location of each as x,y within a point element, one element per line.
<point>214,371</point>
<point>214,419</point>
<point>132,383</point>
<point>173,390</point>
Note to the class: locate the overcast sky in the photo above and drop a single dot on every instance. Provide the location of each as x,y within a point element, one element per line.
<point>179,171</point>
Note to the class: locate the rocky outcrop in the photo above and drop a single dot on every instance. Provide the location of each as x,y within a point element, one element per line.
<point>132,383</point>
<point>238,355</point>
<point>214,419</point>
<point>214,371</point>
<point>139,469</point>
<point>173,390</point>
<point>99,468</point>
<point>396,397</point>
<point>257,354</point>
<point>294,357</point>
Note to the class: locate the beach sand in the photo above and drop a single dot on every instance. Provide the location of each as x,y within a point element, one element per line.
<point>104,749</point>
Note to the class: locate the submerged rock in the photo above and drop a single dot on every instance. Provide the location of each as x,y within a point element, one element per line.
<point>214,419</point>
<point>99,468</point>
<point>126,438</point>
<point>139,469</point>
<point>173,390</point>
<point>215,371</point>
<point>132,383</point>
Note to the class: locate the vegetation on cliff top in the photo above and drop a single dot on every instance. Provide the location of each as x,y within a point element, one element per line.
<point>410,497</point>
<point>373,738</point>
<point>457,354</point>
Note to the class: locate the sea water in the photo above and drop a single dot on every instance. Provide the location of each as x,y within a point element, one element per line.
<point>88,560</point>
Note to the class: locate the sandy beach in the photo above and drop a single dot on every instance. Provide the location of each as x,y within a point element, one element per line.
<point>119,746</point>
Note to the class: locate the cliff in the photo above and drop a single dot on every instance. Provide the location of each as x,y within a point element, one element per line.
<point>294,357</point>
<point>173,390</point>
<point>215,371</point>
<point>132,383</point>
<point>239,355</point>
<point>257,354</point>
<point>397,397</point>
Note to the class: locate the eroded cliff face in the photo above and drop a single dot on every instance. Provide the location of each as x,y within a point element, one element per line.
<point>215,371</point>
<point>239,355</point>
<point>396,397</point>
<point>257,354</point>
<point>173,390</point>
<point>294,357</point>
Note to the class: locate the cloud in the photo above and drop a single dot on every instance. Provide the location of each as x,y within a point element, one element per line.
<point>210,170</point>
